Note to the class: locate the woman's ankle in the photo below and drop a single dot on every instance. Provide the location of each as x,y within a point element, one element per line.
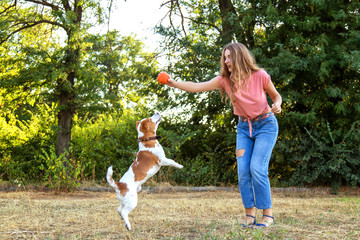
<point>268,212</point>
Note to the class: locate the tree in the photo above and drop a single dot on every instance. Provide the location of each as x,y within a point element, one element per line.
<point>48,52</point>
<point>49,58</point>
<point>125,70</point>
<point>311,50</point>
<point>67,17</point>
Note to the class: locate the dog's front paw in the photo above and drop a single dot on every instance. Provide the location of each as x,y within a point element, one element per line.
<point>180,166</point>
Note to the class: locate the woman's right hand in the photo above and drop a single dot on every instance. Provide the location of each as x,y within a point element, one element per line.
<point>170,82</point>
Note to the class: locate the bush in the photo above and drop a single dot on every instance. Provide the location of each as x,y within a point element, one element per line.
<point>325,157</point>
<point>208,156</point>
<point>311,156</point>
<point>61,173</point>
<point>105,141</point>
<point>21,142</point>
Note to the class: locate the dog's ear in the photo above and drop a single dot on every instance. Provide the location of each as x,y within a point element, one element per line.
<point>145,125</point>
<point>137,124</point>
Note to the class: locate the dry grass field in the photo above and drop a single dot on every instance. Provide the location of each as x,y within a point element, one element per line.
<point>312,214</point>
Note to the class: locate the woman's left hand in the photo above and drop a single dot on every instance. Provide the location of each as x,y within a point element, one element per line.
<point>276,108</point>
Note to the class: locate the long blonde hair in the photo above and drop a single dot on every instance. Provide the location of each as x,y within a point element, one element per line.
<point>243,64</point>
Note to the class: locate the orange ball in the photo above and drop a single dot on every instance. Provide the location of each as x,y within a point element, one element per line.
<point>163,77</point>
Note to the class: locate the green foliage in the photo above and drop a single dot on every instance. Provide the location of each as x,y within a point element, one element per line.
<point>22,141</point>
<point>206,159</point>
<point>105,141</point>
<point>329,157</point>
<point>47,55</point>
<point>311,51</point>
<point>47,52</point>
<point>310,48</point>
<point>116,72</point>
<point>310,56</point>
<point>61,173</point>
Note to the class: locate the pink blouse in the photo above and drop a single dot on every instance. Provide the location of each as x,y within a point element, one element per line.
<point>252,101</point>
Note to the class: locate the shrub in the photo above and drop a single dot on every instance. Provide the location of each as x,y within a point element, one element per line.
<point>105,141</point>
<point>328,157</point>
<point>21,142</point>
<point>208,156</point>
<point>61,173</point>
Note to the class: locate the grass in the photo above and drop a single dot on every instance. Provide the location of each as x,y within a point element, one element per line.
<point>177,215</point>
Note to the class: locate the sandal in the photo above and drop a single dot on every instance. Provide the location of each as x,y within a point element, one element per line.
<point>251,224</point>
<point>267,222</point>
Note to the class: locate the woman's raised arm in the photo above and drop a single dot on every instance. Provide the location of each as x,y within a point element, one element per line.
<point>195,87</point>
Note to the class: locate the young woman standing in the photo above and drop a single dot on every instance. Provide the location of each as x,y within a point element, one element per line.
<point>246,85</point>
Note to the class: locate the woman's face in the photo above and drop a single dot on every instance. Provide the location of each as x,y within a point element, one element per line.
<point>227,59</point>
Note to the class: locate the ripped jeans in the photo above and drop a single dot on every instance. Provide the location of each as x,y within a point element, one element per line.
<point>253,165</point>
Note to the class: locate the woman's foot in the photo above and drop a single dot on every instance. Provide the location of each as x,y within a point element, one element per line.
<point>266,221</point>
<point>250,221</point>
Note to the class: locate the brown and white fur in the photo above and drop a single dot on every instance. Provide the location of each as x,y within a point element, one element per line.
<point>147,163</point>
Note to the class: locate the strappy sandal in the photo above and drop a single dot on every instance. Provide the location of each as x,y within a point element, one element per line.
<point>251,224</point>
<point>267,223</point>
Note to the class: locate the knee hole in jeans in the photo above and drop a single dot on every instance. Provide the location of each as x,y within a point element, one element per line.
<point>240,152</point>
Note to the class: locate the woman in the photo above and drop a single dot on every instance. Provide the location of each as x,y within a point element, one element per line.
<point>246,85</point>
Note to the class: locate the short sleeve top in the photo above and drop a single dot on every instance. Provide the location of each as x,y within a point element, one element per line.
<point>252,101</point>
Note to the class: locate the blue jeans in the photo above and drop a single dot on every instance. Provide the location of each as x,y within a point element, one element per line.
<point>253,166</point>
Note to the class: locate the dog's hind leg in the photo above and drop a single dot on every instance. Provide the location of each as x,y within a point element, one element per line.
<point>126,209</point>
<point>120,208</point>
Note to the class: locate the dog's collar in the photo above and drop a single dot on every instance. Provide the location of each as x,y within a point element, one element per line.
<point>148,139</point>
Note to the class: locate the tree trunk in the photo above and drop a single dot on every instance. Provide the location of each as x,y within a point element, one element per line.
<point>66,91</point>
<point>65,116</point>
<point>64,129</point>
<point>227,12</point>
<point>249,31</point>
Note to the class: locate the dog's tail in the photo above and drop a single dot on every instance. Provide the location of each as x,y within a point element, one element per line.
<point>110,180</point>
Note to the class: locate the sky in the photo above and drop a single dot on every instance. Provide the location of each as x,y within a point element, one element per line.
<point>138,17</point>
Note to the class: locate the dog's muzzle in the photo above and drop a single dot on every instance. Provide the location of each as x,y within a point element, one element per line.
<point>156,117</point>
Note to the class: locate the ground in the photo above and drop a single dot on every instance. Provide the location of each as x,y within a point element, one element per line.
<point>299,214</point>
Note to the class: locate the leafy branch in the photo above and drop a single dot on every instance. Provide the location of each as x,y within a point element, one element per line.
<point>29,25</point>
<point>9,7</point>
<point>45,3</point>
